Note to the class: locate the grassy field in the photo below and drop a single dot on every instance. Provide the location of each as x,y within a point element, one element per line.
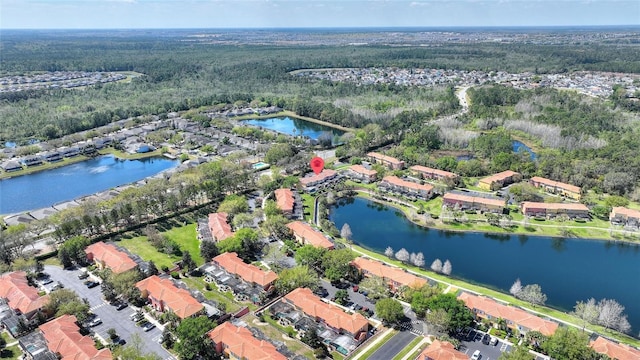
<point>11,353</point>
<point>274,332</point>
<point>307,205</point>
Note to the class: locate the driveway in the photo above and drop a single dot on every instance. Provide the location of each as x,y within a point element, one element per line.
<point>473,342</point>
<point>394,346</point>
<point>111,318</point>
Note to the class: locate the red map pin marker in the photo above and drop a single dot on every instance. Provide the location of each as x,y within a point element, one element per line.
<point>317,164</point>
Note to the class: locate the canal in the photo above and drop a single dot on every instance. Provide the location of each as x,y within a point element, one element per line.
<point>49,187</point>
<point>568,270</point>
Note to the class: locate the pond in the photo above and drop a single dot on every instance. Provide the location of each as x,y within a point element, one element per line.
<point>298,127</point>
<point>519,146</point>
<point>49,187</point>
<point>568,270</point>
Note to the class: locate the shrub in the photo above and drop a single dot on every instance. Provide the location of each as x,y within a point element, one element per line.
<point>175,275</point>
<point>165,268</point>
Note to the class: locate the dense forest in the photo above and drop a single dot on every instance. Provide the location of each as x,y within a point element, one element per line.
<point>586,141</point>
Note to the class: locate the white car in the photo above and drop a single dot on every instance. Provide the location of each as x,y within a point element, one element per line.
<point>95,322</point>
<point>476,355</point>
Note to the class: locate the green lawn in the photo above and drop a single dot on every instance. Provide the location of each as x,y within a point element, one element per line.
<point>408,348</point>
<point>308,206</point>
<point>11,353</point>
<point>184,236</point>
<point>222,298</point>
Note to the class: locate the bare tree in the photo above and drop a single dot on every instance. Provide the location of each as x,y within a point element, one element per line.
<point>587,311</point>
<point>389,251</point>
<point>533,294</point>
<point>402,255</point>
<point>345,232</point>
<point>516,288</point>
<point>611,315</point>
<point>436,265</point>
<point>419,260</point>
<point>412,258</point>
<point>446,267</point>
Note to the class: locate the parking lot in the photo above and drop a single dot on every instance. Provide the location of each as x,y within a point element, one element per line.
<point>354,297</point>
<point>473,341</point>
<point>111,318</point>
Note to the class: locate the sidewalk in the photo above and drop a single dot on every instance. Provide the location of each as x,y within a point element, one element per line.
<point>381,337</point>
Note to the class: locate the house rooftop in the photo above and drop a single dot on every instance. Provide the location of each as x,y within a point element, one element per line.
<point>219,227</point>
<point>553,206</point>
<point>240,342</point>
<point>63,337</point>
<point>178,300</point>
<point>111,257</point>
<point>285,199</point>
<point>428,170</point>
<point>363,170</point>
<point>310,236</point>
<point>384,158</point>
<point>323,175</point>
<point>473,199</point>
<point>561,185</point>
<point>516,315</point>
<point>20,296</point>
<point>614,350</point>
<point>498,177</point>
<point>335,317</point>
<point>619,210</point>
<point>441,350</point>
<point>394,180</point>
<point>249,273</point>
<point>395,274</point>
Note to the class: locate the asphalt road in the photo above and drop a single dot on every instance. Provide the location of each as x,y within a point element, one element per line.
<point>111,318</point>
<point>392,347</point>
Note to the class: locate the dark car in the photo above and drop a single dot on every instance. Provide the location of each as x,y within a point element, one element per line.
<point>91,284</point>
<point>120,305</point>
<point>322,292</point>
<point>486,339</point>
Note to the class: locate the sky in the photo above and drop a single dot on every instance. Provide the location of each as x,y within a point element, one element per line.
<point>128,14</point>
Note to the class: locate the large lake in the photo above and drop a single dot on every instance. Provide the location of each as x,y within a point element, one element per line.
<point>297,127</point>
<point>49,187</point>
<point>568,270</point>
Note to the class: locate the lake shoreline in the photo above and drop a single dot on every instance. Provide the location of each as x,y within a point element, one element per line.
<point>445,227</point>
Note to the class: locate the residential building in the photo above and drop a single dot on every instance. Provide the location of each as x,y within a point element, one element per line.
<point>238,343</point>
<point>219,227</point>
<point>107,256</point>
<point>251,274</point>
<point>11,165</point>
<point>362,174</point>
<point>63,337</point>
<point>625,216</point>
<point>388,161</point>
<point>306,235</point>
<point>404,187</point>
<point>499,180</point>
<point>556,187</point>
<point>515,318</point>
<point>441,350</point>
<point>430,173</point>
<point>614,350</point>
<point>320,180</point>
<point>530,208</point>
<point>163,295</point>
<point>395,277</point>
<point>467,202</point>
<point>22,298</point>
<point>285,201</point>
<point>355,325</point>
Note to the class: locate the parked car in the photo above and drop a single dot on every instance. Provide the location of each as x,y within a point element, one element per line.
<point>355,288</point>
<point>486,339</point>
<point>91,284</point>
<point>120,305</point>
<point>148,326</point>
<point>83,275</point>
<point>57,286</point>
<point>137,316</point>
<point>322,292</point>
<point>47,281</point>
<point>476,355</point>
<point>95,322</point>
<point>494,341</point>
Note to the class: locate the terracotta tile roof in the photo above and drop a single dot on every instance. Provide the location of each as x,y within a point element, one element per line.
<point>441,350</point>
<point>501,176</point>
<point>178,300</point>
<point>363,170</point>
<point>240,342</point>
<point>619,210</point>
<point>384,158</point>
<point>560,185</point>
<point>15,288</point>
<point>63,337</point>
<point>429,171</point>
<point>516,315</point>
<point>396,181</point>
<point>614,350</point>
<point>472,199</point>
<point>316,178</point>
<point>249,273</point>
<point>553,206</point>
<point>219,227</point>
<point>285,200</point>
<point>395,274</point>
<point>111,257</point>
<point>310,236</point>
<point>332,315</point>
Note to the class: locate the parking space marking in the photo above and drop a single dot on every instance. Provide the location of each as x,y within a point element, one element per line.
<point>504,347</point>
<point>98,306</point>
